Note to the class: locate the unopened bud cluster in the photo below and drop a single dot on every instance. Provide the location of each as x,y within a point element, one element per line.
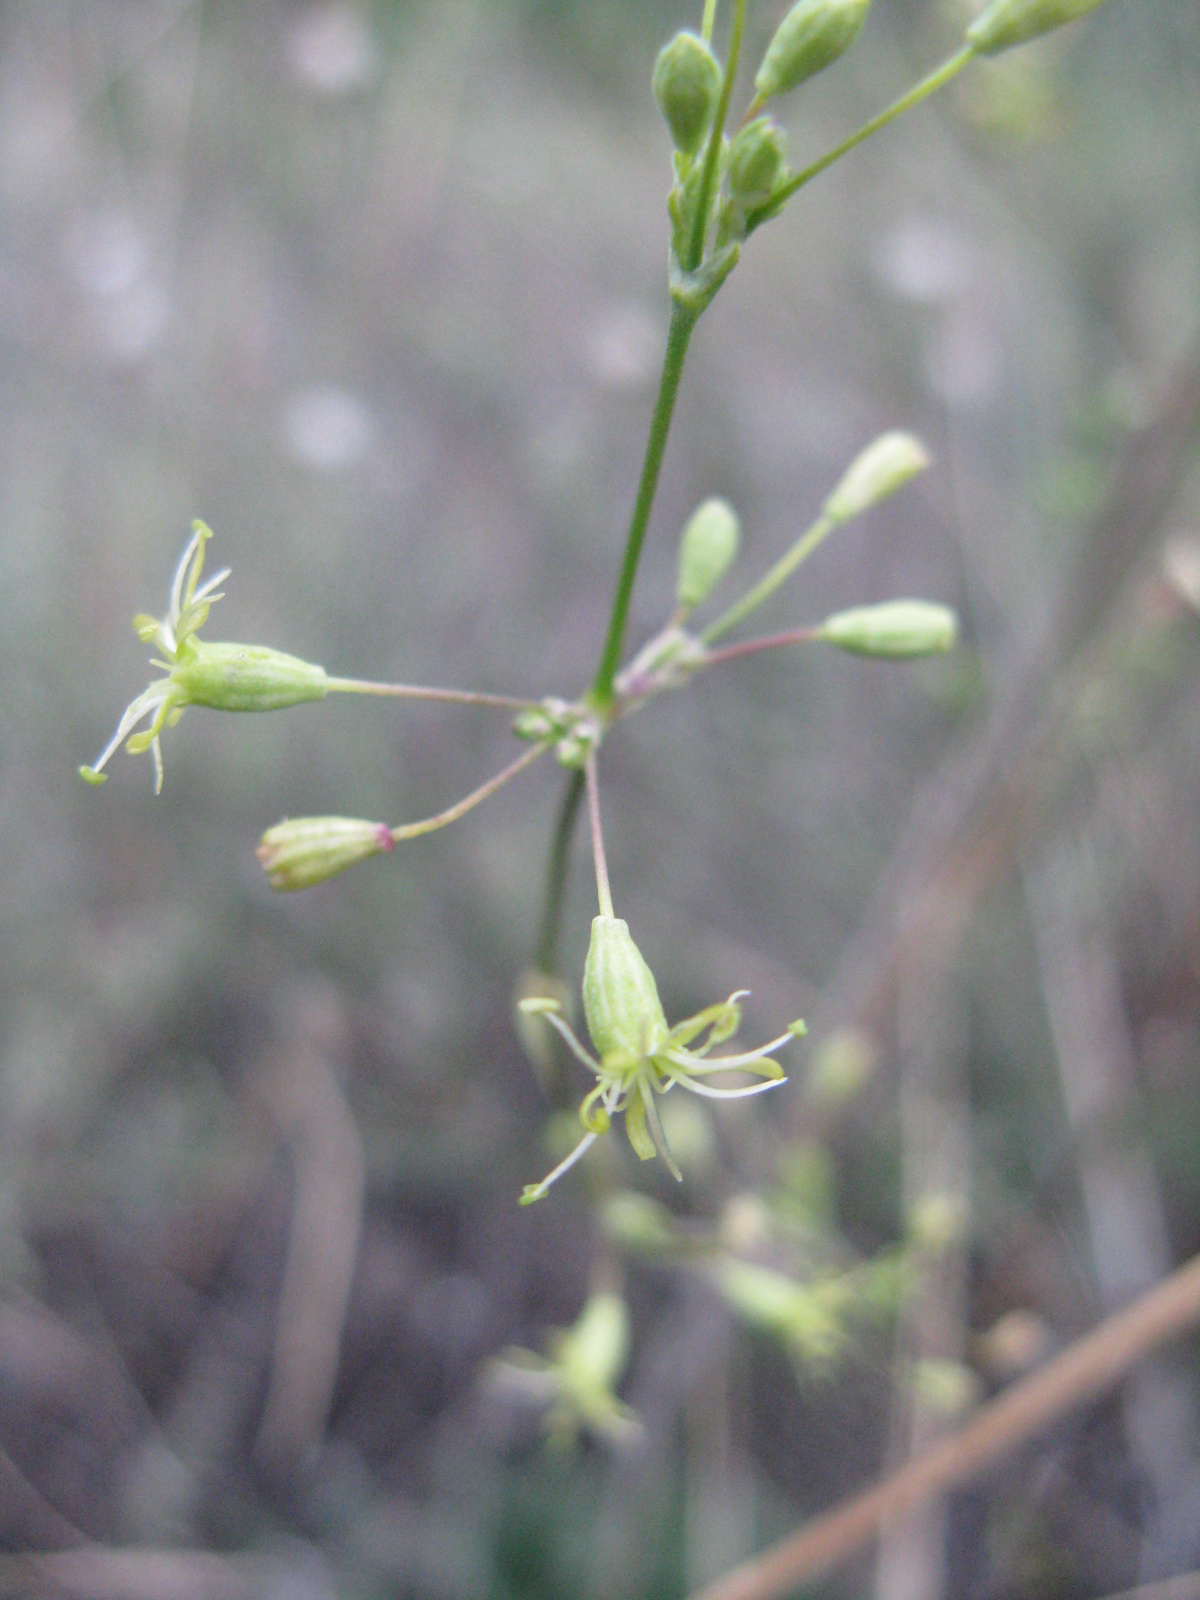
<point>571,728</point>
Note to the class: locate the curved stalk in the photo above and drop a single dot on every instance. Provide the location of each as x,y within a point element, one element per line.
<point>443,819</point>
<point>416,691</point>
<point>766,586</point>
<point>939,77</point>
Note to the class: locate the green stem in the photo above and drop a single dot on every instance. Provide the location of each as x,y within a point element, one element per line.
<point>556,875</point>
<point>767,586</point>
<point>710,17</point>
<point>443,819</point>
<point>678,335</point>
<point>415,691</point>
<point>921,91</point>
<point>603,892</point>
<point>712,153</point>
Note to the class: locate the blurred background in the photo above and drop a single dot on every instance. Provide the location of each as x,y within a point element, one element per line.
<point>378,291</point>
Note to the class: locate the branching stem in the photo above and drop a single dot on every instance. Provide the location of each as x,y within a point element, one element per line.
<point>678,335</point>
<point>779,573</point>
<point>712,152</point>
<point>936,80</point>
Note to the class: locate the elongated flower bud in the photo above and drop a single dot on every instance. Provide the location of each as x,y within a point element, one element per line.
<point>814,33</point>
<point>878,471</point>
<point>635,1222</point>
<point>707,549</point>
<point>595,1350</point>
<point>245,677</point>
<point>897,628</point>
<point>686,83</point>
<point>302,851</point>
<point>756,158</point>
<point>1008,22</point>
<point>620,996</point>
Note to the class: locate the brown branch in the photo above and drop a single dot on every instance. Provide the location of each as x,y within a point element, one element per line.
<point>1082,1371</point>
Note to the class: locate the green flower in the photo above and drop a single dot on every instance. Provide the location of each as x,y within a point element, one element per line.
<point>577,1382</point>
<point>226,677</point>
<point>640,1057</point>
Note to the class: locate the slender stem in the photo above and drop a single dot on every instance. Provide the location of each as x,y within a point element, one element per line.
<point>752,647</point>
<point>921,91</point>
<point>556,875</point>
<point>603,893</point>
<point>678,335</point>
<point>413,830</point>
<point>712,153</point>
<point>415,691</point>
<point>710,17</point>
<point>767,586</point>
<point>1082,1371</point>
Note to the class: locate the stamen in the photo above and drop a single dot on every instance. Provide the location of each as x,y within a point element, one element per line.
<point>535,1191</point>
<point>176,601</point>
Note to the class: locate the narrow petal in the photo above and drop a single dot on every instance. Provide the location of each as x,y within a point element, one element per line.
<point>707,1092</point>
<point>176,601</point>
<point>205,591</point>
<point>696,1067</point>
<point>656,1131</point>
<point>573,1044</point>
<point>149,700</point>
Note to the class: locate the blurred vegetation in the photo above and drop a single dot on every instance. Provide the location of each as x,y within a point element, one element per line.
<point>378,292</point>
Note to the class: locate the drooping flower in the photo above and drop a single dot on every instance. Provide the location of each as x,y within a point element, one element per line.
<point>640,1056</point>
<point>576,1381</point>
<point>226,677</point>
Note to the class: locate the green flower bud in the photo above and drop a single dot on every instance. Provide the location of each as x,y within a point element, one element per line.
<point>593,1352</point>
<point>814,33</point>
<point>876,472</point>
<point>686,83</point>
<point>706,551</point>
<point>896,628</point>
<point>938,1222</point>
<point>1007,22</point>
<point>620,996</point>
<point>245,677</point>
<point>302,851</point>
<point>755,158</point>
<point>944,1389</point>
<point>635,1222</point>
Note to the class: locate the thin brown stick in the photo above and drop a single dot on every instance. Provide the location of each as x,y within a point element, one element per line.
<point>1082,1371</point>
<point>753,647</point>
